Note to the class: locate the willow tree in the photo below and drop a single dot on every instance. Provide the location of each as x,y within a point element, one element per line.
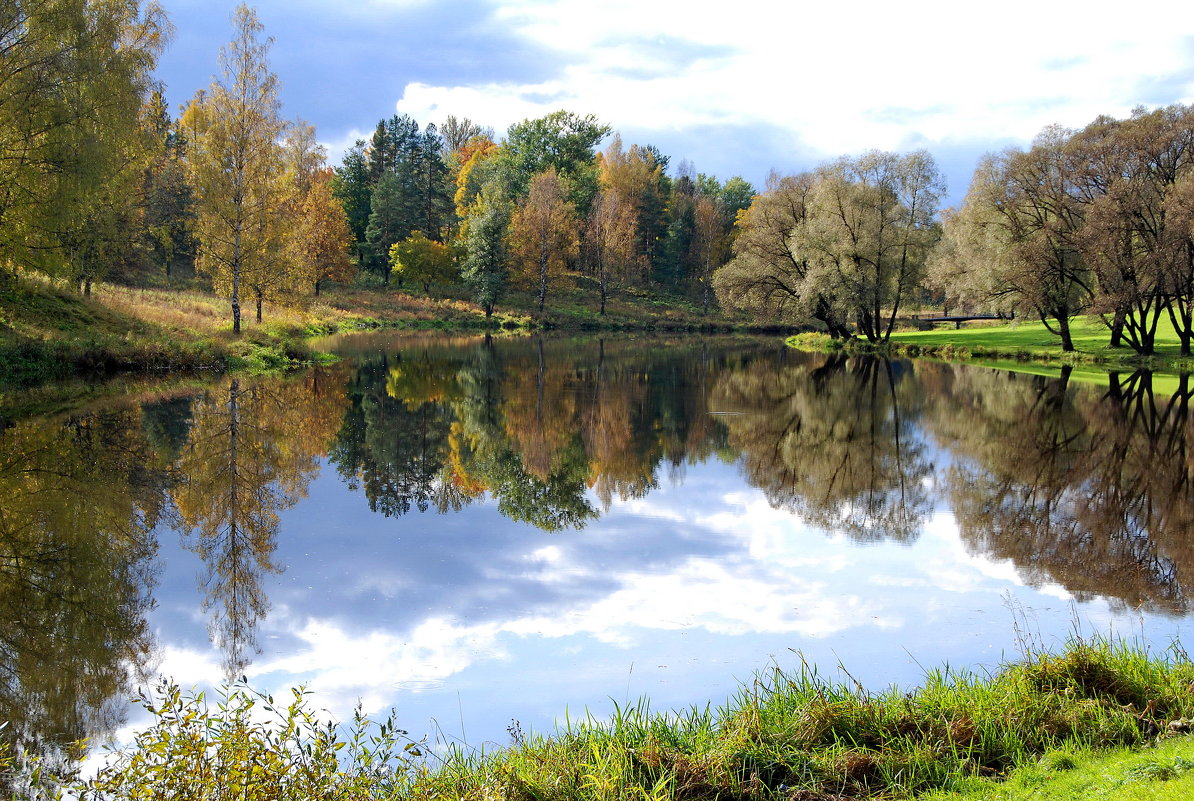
<point>768,277</point>
<point>1024,214</point>
<point>236,164</point>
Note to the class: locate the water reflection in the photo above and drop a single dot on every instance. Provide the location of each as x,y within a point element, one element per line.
<point>707,490</point>
<point>835,443</point>
<point>249,454</point>
<point>1090,493</point>
<point>80,499</point>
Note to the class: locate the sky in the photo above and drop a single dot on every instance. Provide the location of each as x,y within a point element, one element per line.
<point>735,89</point>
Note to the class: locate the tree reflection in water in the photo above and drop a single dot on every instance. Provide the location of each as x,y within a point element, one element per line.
<point>835,443</point>
<point>80,499</point>
<point>1085,491</point>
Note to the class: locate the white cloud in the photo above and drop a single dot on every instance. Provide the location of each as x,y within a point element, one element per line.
<point>841,77</point>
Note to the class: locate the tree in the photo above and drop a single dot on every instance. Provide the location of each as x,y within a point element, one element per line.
<point>869,232</point>
<point>708,243</point>
<point>457,133</point>
<point>1023,218</point>
<point>544,232</point>
<point>424,260</point>
<point>351,187</point>
<point>168,200</point>
<point>562,140</point>
<point>609,242</point>
<point>73,79</point>
<point>388,223</point>
<point>322,236</point>
<point>485,268</point>
<point>236,165</point>
<point>768,277</point>
<point>1135,231</point>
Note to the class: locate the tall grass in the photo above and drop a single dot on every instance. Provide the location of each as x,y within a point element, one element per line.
<point>790,734</point>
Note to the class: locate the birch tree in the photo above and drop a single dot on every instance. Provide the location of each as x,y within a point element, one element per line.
<point>236,166</point>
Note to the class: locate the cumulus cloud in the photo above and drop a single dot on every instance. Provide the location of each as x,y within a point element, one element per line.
<point>842,77</point>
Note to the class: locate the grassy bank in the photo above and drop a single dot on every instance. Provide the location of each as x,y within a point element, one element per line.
<point>1021,346</point>
<point>1161,773</point>
<point>786,735</point>
<point>49,333</point>
<point>1026,341</point>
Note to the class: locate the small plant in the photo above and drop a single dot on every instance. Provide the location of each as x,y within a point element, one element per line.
<point>249,748</point>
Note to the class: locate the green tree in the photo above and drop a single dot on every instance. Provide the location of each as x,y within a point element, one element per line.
<point>487,265</point>
<point>563,140</point>
<point>168,200</point>
<point>389,223</point>
<point>351,187</point>
<point>768,277</point>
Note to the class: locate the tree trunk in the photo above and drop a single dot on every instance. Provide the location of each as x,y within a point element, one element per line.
<point>317,287</point>
<point>259,309</point>
<point>1063,327</point>
<point>1117,329</point>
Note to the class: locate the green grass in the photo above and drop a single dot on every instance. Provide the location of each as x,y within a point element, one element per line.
<point>1025,347</point>
<point>1022,340</point>
<point>1164,772</point>
<point>1031,726</point>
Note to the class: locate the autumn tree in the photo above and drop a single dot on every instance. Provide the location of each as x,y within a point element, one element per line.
<point>609,242</point>
<point>638,176</point>
<point>544,232</point>
<point>322,236</point>
<point>236,166</point>
<point>423,260</point>
<point>708,243</point>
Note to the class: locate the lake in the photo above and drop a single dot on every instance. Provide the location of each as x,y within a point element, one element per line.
<point>480,531</point>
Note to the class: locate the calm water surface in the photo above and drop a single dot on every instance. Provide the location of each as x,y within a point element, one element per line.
<point>475,532</point>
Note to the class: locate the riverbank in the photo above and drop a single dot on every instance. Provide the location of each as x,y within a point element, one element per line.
<point>49,333</point>
<point>1021,345</point>
<point>785,735</point>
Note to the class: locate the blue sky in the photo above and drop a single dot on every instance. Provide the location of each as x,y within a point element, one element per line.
<point>734,88</point>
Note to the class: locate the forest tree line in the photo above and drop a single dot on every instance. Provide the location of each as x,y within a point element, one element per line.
<point>101,182</point>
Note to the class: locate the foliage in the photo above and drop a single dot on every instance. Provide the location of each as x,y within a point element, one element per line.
<point>485,268</point>
<point>423,260</point>
<point>543,232</point>
<point>248,747</point>
<point>787,733</point>
<point>235,163</point>
<point>70,135</point>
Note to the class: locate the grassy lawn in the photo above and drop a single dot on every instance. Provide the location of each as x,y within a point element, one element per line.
<point>1025,337</point>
